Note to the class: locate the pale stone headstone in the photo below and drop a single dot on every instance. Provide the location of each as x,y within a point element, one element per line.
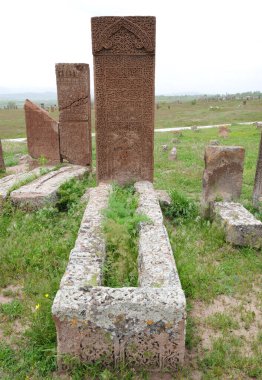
<point>124,67</point>
<point>223,131</point>
<point>73,91</point>
<point>42,133</point>
<point>173,154</point>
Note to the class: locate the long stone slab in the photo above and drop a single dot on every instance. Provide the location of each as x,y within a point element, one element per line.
<point>143,326</point>
<point>241,227</point>
<point>257,192</point>
<point>10,181</point>
<point>43,190</point>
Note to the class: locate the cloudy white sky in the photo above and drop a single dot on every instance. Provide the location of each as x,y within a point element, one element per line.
<point>205,46</point>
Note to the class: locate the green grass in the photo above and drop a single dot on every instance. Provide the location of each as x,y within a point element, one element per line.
<point>34,250</point>
<point>121,234</point>
<point>168,115</point>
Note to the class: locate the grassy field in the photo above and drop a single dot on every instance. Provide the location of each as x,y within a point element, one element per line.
<point>168,115</point>
<point>222,283</point>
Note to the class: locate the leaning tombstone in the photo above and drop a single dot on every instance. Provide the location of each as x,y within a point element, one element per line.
<point>2,163</point>
<point>257,192</point>
<point>223,174</point>
<point>124,67</point>
<point>42,133</point>
<point>73,91</point>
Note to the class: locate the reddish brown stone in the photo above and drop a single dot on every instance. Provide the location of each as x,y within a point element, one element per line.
<point>2,163</point>
<point>257,193</point>
<point>73,91</point>
<point>223,174</point>
<point>124,66</point>
<point>223,131</point>
<point>42,133</point>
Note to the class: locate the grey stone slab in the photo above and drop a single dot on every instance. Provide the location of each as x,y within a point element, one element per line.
<point>241,227</point>
<point>143,326</point>
<point>43,190</point>
<point>10,181</point>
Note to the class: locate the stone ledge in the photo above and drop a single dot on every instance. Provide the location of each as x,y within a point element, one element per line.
<point>143,326</point>
<point>241,227</point>
<point>43,191</point>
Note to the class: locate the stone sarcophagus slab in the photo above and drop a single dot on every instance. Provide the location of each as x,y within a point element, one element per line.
<point>124,66</point>
<point>144,326</point>
<point>73,92</point>
<point>42,133</point>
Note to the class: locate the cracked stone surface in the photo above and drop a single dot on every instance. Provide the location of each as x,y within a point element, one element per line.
<point>241,227</point>
<point>73,91</point>
<point>43,191</point>
<point>8,182</point>
<point>2,163</point>
<point>42,133</point>
<point>144,326</point>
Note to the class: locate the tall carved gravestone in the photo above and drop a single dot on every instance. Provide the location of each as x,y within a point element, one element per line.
<point>257,193</point>
<point>124,67</point>
<point>73,91</point>
<point>2,163</point>
<point>42,133</point>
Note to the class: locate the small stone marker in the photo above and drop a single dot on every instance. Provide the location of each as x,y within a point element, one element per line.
<point>8,182</point>
<point>241,227</point>
<point>223,131</point>
<point>259,124</point>
<point>164,148</point>
<point>73,91</point>
<point>257,192</point>
<point>2,163</point>
<point>214,142</point>
<point>175,141</point>
<point>42,133</point>
<point>223,174</point>
<point>173,154</point>
<point>43,191</point>
<point>124,66</point>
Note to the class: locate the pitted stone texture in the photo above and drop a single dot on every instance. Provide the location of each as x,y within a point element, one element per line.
<point>144,327</point>
<point>157,266</point>
<point>86,259</point>
<point>241,227</point>
<point>43,191</point>
<point>7,183</point>
<point>73,91</point>
<point>257,192</point>
<point>223,174</point>
<point>163,197</point>
<point>2,163</point>
<point>42,133</point>
<point>124,66</point>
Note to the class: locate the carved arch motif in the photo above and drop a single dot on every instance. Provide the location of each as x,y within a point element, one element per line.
<point>105,42</point>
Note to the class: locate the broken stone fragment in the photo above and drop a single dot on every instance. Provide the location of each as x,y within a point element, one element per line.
<point>173,154</point>
<point>42,134</point>
<point>241,227</point>
<point>164,148</point>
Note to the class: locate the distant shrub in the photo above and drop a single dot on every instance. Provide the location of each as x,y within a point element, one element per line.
<point>193,102</point>
<point>181,207</point>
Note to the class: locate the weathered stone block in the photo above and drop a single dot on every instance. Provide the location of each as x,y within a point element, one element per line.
<point>2,163</point>
<point>223,174</point>
<point>73,91</point>
<point>43,191</point>
<point>13,180</point>
<point>144,326</point>
<point>241,227</point>
<point>42,133</point>
<point>124,65</point>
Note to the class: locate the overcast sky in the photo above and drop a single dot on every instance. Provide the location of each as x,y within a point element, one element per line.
<point>203,46</point>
